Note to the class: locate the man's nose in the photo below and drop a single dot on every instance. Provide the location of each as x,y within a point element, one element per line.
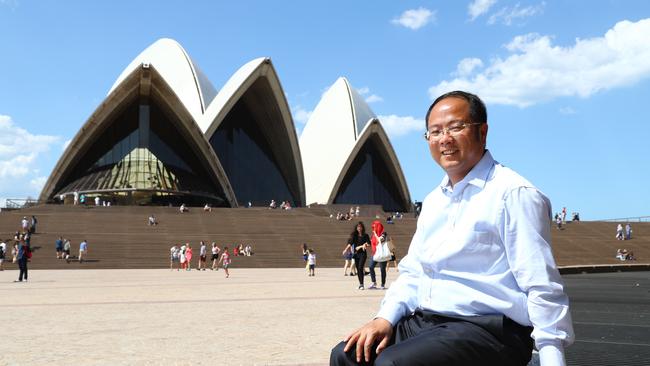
<point>445,137</point>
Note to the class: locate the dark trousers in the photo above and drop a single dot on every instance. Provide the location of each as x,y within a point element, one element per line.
<point>359,263</point>
<point>426,338</point>
<point>382,269</point>
<point>22,265</point>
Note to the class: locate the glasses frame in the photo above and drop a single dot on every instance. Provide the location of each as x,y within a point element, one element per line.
<point>445,130</point>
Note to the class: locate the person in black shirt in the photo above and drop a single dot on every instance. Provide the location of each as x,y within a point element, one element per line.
<point>360,241</point>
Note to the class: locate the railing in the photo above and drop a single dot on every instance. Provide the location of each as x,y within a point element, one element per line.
<point>629,219</point>
<point>18,203</point>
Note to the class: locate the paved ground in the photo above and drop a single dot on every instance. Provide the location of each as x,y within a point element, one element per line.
<point>256,317</point>
<point>611,318</point>
<point>152,317</point>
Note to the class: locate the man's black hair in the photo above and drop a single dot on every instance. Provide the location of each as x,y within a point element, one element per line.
<point>477,111</point>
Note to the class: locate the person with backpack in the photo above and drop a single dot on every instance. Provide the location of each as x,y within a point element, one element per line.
<point>22,256</point>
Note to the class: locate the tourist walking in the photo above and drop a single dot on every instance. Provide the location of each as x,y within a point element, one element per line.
<point>174,257</point>
<point>628,231</point>
<point>311,260</point>
<point>305,256</point>
<point>3,251</point>
<point>203,252</point>
<point>24,224</point>
<point>32,228</point>
<point>66,249</point>
<point>182,257</point>
<point>188,257</point>
<point>378,236</point>
<point>22,256</point>
<point>58,246</point>
<point>619,232</point>
<point>360,241</point>
<point>225,261</point>
<point>215,256</point>
<point>83,250</point>
<point>349,262</point>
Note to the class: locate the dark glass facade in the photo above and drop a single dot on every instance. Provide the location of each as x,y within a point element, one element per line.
<point>141,158</point>
<point>247,144</point>
<point>369,181</point>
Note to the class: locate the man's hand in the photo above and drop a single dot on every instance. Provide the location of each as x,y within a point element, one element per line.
<point>377,330</point>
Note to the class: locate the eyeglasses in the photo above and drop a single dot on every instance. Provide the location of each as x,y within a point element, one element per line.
<point>454,129</point>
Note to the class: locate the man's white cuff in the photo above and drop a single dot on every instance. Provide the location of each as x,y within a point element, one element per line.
<point>392,313</point>
<point>551,355</point>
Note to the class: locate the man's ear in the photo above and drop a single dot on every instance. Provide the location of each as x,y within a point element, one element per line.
<point>483,133</point>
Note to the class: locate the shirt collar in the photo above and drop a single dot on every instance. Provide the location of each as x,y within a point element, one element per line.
<point>477,176</point>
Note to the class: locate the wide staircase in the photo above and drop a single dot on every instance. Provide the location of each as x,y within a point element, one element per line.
<point>119,237</point>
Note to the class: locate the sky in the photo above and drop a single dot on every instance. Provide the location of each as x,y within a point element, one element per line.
<point>565,82</point>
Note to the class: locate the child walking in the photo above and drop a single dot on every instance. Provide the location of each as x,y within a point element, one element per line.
<point>311,259</point>
<point>225,261</point>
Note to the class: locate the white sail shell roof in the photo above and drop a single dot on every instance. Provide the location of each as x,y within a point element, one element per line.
<point>235,89</point>
<point>330,136</point>
<point>169,58</point>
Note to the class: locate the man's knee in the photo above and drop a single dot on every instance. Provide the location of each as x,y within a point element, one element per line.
<point>337,356</point>
<point>340,358</point>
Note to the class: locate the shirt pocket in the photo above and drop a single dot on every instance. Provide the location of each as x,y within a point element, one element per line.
<point>478,241</point>
<point>478,253</point>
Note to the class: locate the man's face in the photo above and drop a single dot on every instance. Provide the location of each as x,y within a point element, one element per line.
<point>457,154</point>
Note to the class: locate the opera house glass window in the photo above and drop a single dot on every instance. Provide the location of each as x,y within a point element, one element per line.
<point>248,158</point>
<point>141,152</point>
<point>369,181</point>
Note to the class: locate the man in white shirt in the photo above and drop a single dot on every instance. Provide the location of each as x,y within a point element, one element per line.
<point>479,283</point>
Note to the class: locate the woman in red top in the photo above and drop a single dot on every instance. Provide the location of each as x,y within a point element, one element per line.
<point>378,235</point>
<point>188,257</point>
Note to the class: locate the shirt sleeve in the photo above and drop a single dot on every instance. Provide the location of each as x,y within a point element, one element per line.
<point>401,297</point>
<point>526,237</point>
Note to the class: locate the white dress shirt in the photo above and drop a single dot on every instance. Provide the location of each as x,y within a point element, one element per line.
<point>482,247</point>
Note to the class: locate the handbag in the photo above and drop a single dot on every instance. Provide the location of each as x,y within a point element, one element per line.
<point>382,252</point>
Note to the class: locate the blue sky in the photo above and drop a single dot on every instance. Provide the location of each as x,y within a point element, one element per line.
<point>565,81</point>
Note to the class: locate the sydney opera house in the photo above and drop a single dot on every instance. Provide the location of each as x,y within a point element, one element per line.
<point>165,135</point>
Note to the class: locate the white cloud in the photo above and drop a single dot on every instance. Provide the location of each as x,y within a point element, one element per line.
<point>19,149</point>
<point>538,71</point>
<point>479,7</point>
<point>37,183</point>
<point>567,111</point>
<point>415,18</point>
<point>301,115</point>
<point>401,125</point>
<point>508,15</point>
<point>374,98</point>
<point>467,65</point>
